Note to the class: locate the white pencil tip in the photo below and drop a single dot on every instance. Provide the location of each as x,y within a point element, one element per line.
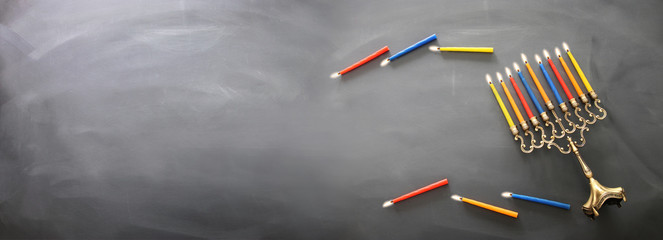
<point>456,197</point>
<point>522,55</point>
<point>506,194</point>
<point>434,48</point>
<point>387,204</point>
<point>335,75</point>
<point>385,62</point>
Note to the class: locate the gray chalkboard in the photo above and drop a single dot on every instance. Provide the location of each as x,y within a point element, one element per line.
<point>217,119</point>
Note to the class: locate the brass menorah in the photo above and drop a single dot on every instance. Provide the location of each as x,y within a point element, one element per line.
<point>553,129</point>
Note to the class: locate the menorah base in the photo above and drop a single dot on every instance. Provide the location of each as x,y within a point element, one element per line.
<point>600,195</point>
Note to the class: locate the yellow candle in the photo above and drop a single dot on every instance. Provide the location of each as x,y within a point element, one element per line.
<point>499,101</point>
<point>536,80</point>
<point>466,49</point>
<point>568,72</point>
<point>575,64</point>
<point>508,96</point>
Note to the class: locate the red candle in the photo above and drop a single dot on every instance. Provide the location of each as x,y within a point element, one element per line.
<point>520,94</point>
<point>559,77</point>
<point>361,62</point>
<point>416,192</point>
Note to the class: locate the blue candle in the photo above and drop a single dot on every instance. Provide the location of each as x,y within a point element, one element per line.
<point>550,82</point>
<point>529,90</point>
<point>537,200</point>
<point>409,49</point>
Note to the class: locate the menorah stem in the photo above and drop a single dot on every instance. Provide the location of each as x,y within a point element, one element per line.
<point>598,194</point>
<point>585,169</point>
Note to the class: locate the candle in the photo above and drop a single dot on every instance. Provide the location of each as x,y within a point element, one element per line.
<point>550,83</point>
<point>529,90</point>
<point>557,75</point>
<point>568,73</point>
<point>361,62</point>
<point>415,193</point>
<point>486,206</point>
<point>537,200</point>
<point>508,97</point>
<point>575,64</point>
<point>461,49</point>
<point>520,94</point>
<point>546,100</point>
<point>408,49</point>
<point>499,101</point>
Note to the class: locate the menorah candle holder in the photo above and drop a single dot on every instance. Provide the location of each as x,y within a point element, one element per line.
<point>564,128</point>
<point>588,105</point>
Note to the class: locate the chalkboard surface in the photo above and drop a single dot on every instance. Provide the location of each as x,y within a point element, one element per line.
<point>217,119</point>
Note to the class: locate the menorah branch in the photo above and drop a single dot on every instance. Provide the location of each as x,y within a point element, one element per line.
<point>582,119</point>
<point>595,116</point>
<point>590,114</point>
<point>601,110</point>
<point>560,148</point>
<point>543,136</point>
<point>524,147</point>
